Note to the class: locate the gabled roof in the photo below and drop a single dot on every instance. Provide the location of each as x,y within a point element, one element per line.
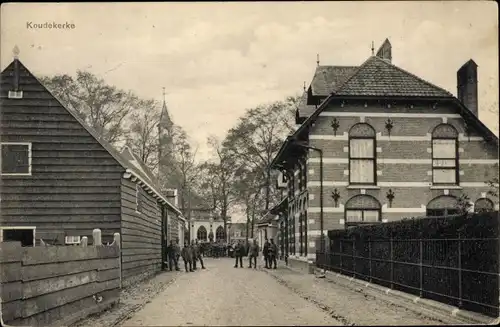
<point>139,165</point>
<point>121,159</point>
<point>328,78</point>
<point>304,109</point>
<point>378,77</point>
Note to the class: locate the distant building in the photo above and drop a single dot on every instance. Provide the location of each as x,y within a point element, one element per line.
<point>60,180</point>
<point>393,145</point>
<point>237,232</point>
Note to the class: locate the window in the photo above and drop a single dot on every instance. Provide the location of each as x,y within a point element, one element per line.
<point>362,209</point>
<point>444,205</point>
<point>16,159</point>
<point>219,234</point>
<point>72,240</point>
<point>362,150</point>
<point>444,155</point>
<point>201,235</point>
<point>25,235</point>
<point>483,205</point>
<point>139,199</point>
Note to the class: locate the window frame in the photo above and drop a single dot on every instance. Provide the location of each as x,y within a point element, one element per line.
<point>484,199</point>
<point>2,228</point>
<point>30,156</point>
<point>139,202</point>
<point>373,159</point>
<point>456,160</point>
<point>348,208</point>
<point>204,231</point>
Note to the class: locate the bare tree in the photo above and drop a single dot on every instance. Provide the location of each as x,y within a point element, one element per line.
<point>104,107</point>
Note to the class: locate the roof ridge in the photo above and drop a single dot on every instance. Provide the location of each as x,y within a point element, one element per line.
<point>413,75</point>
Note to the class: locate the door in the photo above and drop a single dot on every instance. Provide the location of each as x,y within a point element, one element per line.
<point>164,236</point>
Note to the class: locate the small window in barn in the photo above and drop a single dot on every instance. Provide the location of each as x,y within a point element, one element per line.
<point>25,235</point>
<point>139,199</point>
<point>16,159</point>
<point>69,240</point>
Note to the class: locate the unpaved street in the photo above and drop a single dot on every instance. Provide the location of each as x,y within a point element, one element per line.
<point>223,295</point>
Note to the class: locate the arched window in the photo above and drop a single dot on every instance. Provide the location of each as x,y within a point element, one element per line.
<point>443,205</point>
<point>362,154</point>
<point>483,205</point>
<point>219,234</point>
<point>201,234</point>
<point>362,208</point>
<point>445,155</point>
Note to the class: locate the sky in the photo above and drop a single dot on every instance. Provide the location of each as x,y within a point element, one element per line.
<point>217,59</point>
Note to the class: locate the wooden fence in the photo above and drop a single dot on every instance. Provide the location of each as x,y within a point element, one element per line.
<point>451,259</point>
<point>58,285</point>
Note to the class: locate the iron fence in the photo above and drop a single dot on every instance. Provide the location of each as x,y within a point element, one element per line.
<point>454,260</point>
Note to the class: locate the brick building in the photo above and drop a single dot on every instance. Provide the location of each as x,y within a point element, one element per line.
<point>393,145</point>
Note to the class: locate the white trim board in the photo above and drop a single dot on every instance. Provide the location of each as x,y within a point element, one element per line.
<point>397,184</point>
<point>380,137</point>
<point>405,161</point>
<point>387,114</point>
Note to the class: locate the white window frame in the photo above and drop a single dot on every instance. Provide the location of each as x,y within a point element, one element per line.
<point>436,159</point>
<point>68,242</point>
<point>33,228</point>
<point>29,158</point>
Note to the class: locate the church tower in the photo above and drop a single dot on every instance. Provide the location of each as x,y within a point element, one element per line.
<point>165,137</point>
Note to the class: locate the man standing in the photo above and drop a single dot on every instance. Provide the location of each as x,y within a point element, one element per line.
<point>187,256</point>
<point>171,256</point>
<point>273,252</point>
<point>177,251</point>
<point>238,254</point>
<point>253,254</point>
<point>198,254</point>
<point>265,252</point>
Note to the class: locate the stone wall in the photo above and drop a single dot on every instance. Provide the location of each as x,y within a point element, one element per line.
<point>58,285</point>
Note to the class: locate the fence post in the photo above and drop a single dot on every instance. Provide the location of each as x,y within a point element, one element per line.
<point>116,242</point>
<point>391,250</point>
<point>421,267</point>
<point>370,257</point>
<point>353,256</point>
<point>96,235</point>
<point>85,241</point>
<point>459,271</point>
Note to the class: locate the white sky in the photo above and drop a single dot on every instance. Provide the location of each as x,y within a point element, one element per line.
<point>217,59</point>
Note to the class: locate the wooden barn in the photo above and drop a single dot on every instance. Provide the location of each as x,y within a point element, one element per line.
<point>60,180</point>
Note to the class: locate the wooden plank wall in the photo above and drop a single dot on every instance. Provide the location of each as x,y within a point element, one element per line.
<point>75,182</point>
<point>141,235</point>
<point>44,285</point>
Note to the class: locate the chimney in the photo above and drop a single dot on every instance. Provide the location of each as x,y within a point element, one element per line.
<point>467,86</point>
<point>385,51</point>
<point>171,194</point>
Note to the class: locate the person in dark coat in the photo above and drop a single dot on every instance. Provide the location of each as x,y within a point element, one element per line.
<point>172,259</point>
<point>197,251</point>
<point>253,253</point>
<point>238,254</point>
<point>273,253</point>
<point>177,253</point>
<point>187,256</point>
<point>265,252</point>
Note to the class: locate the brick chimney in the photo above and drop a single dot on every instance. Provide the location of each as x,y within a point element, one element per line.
<point>467,85</point>
<point>385,51</point>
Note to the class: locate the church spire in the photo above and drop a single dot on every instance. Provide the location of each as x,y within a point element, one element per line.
<point>165,121</point>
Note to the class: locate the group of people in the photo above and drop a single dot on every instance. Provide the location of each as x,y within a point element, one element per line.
<point>191,253</point>
<point>269,251</point>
